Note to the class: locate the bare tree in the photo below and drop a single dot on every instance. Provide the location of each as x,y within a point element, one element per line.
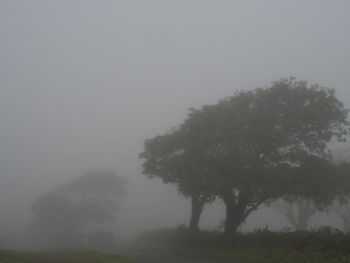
<point>342,209</point>
<point>298,212</point>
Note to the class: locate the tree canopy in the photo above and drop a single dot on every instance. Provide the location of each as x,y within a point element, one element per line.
<point>253,147</point>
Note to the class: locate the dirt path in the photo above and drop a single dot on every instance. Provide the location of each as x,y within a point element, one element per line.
<point>147,257</point>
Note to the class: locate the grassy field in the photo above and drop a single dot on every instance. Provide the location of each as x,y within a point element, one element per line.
<point>324,245</point>
<point>265,255</point>
<point>59,256</point>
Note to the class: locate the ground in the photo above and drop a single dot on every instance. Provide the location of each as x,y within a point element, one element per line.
<point>149,257</point>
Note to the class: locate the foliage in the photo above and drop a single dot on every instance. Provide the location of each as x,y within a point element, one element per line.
<point>176,160</point>
<point>254,147</point>
<point>270,142</point>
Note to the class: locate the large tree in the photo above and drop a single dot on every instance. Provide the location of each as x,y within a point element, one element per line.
<point>261,144</point>
<point>270,142</point>
<point>93,197</point>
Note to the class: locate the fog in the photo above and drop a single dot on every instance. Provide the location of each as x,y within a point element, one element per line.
<point>84,83</point>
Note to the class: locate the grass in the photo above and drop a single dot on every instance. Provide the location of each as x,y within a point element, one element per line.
<point>60,256</point>
<point>324,245</point>
<point>265,255</point>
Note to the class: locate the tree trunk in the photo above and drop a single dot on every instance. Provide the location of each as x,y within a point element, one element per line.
<point>197,207</point>
<point>234,216</point>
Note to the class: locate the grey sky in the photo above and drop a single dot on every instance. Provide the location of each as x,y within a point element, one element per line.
<point>83,83</point>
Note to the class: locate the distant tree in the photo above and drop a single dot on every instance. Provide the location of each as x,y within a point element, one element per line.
<point>316,184</point>
<point>55,218</point>
<point>97,193</point>
<point>61,213</point>
<point>342,209</point>
<point>298,212</point>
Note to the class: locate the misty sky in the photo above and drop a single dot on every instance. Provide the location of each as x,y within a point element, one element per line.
<point>83,83</point>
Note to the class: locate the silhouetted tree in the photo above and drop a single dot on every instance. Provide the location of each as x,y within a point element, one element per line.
<point>270,142</point>
<point>260,145</point>
<point>61,213</point>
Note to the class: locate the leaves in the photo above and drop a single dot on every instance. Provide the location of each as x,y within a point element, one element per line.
<point>254,146</point>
